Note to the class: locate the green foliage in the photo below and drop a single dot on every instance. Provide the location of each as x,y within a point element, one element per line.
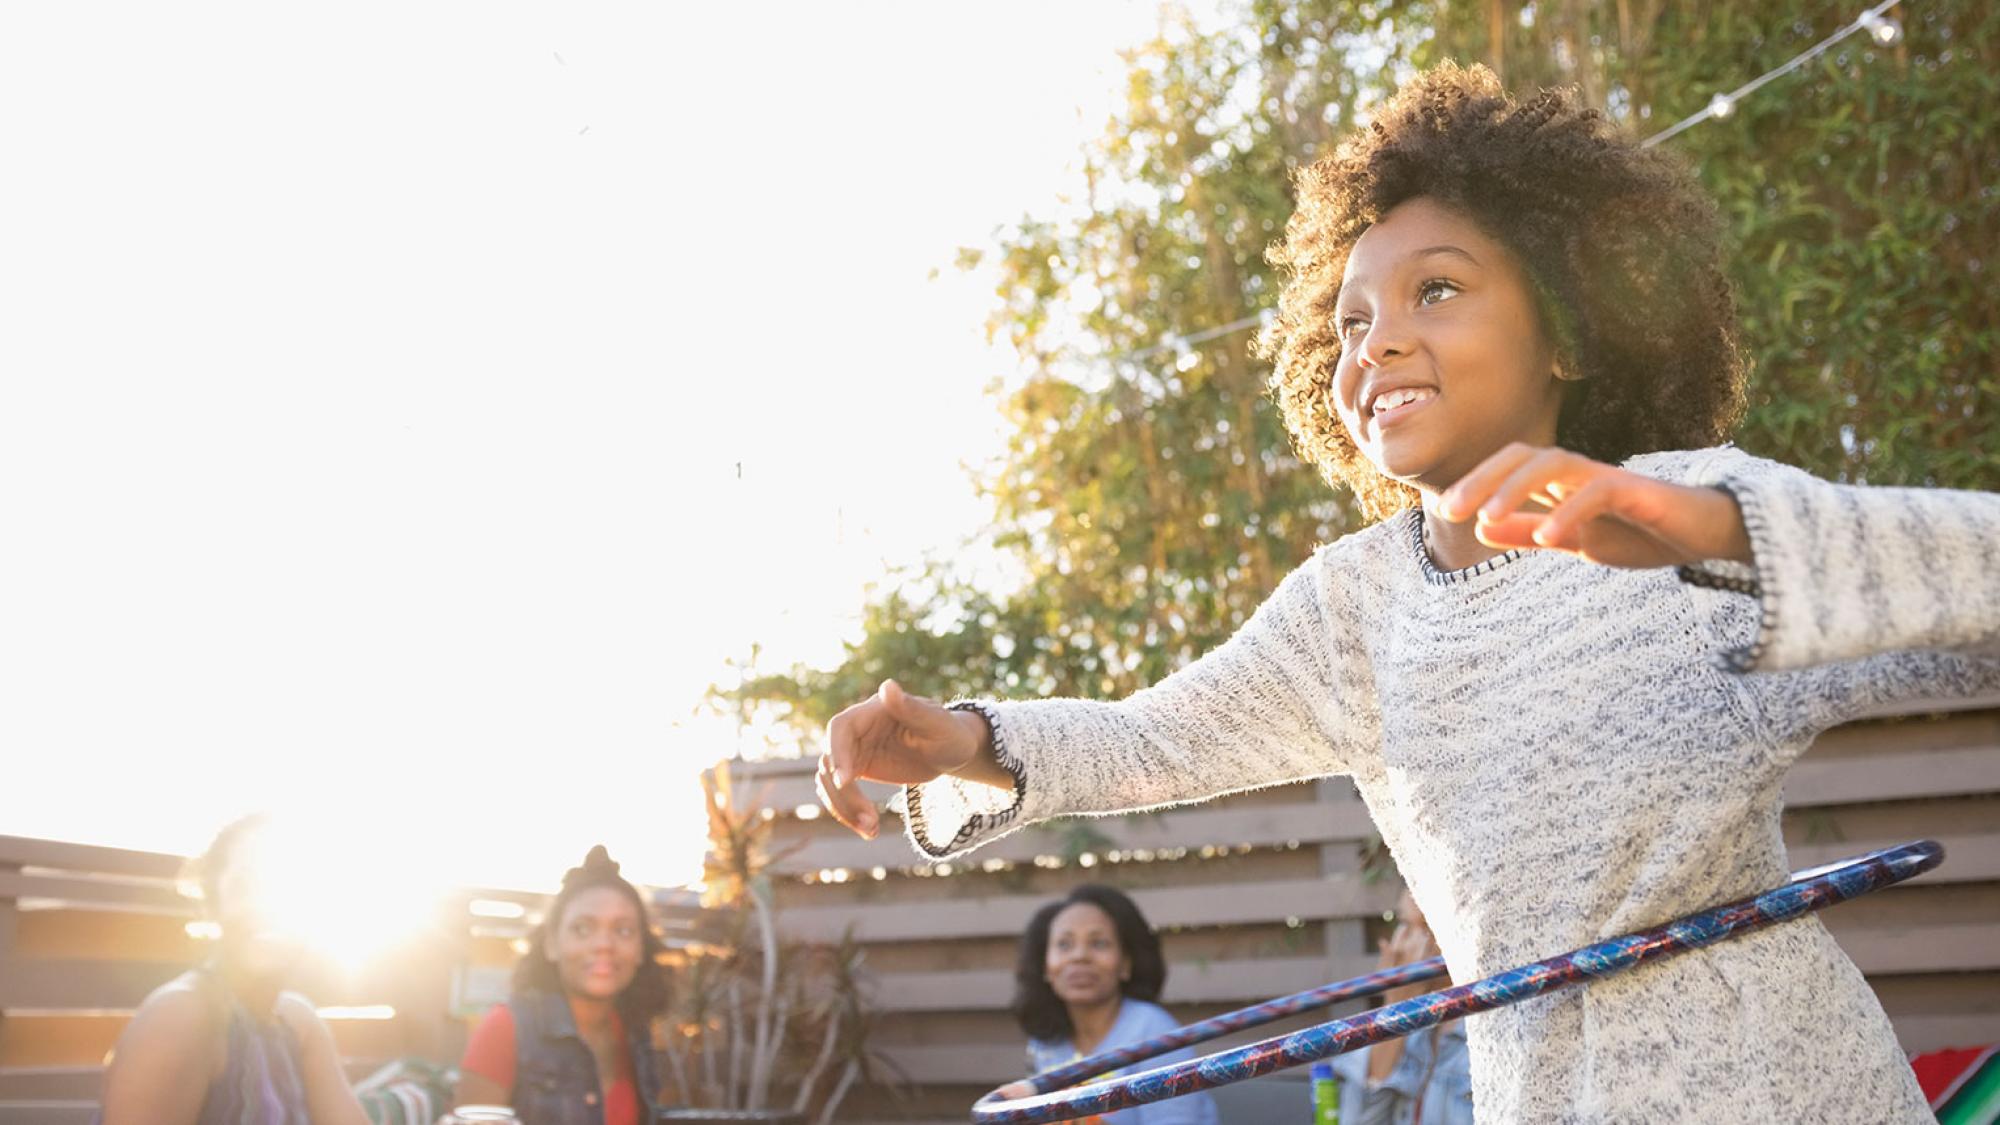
<point>1150,494</point>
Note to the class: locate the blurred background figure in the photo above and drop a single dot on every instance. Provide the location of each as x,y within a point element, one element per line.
<point>1420,1079</point>
<point>1089,972</point>
<point>573,1042</point>
<point>223,1043</point>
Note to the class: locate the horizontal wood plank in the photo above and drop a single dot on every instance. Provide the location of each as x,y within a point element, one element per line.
<point>58,984</point>
<point>60,855</point>
<point>51,1083</point>
<point>85,890</point>
<point>1967,859</point>
<point>1189,827</point>
<point>1952,948</point>
<point>1240,981</point>
<point>1893,777</point>
<point>1337,896</point>
<point>47,1113</point>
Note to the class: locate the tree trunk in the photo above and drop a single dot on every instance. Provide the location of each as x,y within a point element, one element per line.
<point>1496,38</point>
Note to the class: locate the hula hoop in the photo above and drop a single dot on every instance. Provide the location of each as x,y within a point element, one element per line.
<point>1810,890</point>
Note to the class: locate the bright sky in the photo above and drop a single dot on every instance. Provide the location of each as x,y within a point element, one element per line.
<point>377,377</point>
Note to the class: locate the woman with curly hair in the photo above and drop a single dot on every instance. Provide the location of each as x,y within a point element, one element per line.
<point>1089,972</point>
<point>573,1043</point>
<point>1570,666</point>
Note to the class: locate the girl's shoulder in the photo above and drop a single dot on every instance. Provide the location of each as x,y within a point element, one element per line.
<point>1708,466</point>
<point>1378,544</point>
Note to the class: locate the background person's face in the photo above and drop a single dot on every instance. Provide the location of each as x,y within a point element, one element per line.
<point>1431,305</point>
<point>261,933</point>
<point>1085,963</point>
<point>596,944</point>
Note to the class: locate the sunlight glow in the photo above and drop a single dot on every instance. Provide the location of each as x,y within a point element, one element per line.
<point>358,1012</point>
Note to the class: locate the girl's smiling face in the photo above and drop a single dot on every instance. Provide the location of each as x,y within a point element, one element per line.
<point>1443,359</point>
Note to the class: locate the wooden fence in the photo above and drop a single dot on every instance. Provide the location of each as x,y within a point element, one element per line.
<point>1266,893</point>
<point>1257,895</point>
<point>86,932</point>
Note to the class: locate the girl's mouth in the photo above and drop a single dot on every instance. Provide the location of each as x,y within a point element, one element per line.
<point>1391,407</point>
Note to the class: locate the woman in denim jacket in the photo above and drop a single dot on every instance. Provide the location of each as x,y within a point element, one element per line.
<point>1420,1079</point>
<point>572,1045</point>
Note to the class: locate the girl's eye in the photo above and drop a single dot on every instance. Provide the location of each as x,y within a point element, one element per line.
<point>1350,327</point>
<point>1431,292</point>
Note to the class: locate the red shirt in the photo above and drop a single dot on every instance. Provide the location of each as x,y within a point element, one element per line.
<point>490,1054</point>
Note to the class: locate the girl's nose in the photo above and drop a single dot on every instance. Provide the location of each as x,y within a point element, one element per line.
<point>1385,340</point>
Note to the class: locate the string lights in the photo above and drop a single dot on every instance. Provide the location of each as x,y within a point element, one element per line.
<point>1883,29</point>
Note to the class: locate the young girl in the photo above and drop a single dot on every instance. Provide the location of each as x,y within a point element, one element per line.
<point>1570,666</point>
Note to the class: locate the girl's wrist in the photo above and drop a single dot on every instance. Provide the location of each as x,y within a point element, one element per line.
<point>1732,538</point>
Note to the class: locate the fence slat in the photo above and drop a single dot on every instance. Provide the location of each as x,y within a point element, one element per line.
<point>1893,777</point>
<point>1235,904</point>
<point>55,984</point>
<point>1307,822</point>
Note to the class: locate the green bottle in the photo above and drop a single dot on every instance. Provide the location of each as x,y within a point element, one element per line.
<point>1326,1095</point>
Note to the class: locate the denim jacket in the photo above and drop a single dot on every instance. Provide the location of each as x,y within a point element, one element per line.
<point>1433,1077</point>
<point>555,1076</point>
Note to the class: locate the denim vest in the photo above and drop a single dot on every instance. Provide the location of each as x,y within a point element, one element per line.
<point>555,1076</point>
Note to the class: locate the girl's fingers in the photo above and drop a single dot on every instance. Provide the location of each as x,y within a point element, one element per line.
<point>848,804</point>
<point>1514,531</point>
<point>1472,490</point>
<point>1547,474</point>
<point>840,771</point>
<point>920,717</point>
<point>1562,528</point>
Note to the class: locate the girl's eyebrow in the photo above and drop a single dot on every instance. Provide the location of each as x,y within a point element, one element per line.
<point>1446,249</point>
<point>1426,252</point>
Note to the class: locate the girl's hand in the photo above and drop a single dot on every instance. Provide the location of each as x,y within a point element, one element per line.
<point>1525,497</point>
<point>896,737</point>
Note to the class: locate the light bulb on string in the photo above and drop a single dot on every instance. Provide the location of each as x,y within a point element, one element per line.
<point>1721,106</point>
<point>1885,30</point>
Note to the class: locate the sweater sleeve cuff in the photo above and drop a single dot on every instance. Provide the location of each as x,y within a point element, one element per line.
<point>1756,579</point>
<point>948,815</point>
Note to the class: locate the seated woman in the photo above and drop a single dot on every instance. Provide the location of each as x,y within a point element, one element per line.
<point>224,1044</point>
<point>573,1041</point>
<point>1419,1079</point>
<point>1089,971</point>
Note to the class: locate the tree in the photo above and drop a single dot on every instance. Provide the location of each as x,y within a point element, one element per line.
<point>1148,491</point>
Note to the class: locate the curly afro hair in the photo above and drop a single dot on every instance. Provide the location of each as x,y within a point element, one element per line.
<point>1620,243</point>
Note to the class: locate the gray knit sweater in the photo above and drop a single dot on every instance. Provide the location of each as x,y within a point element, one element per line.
<point>1558,752</point>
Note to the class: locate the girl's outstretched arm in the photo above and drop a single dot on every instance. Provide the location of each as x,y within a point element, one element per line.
<point>1843,572</point>
<point>1264,708</point>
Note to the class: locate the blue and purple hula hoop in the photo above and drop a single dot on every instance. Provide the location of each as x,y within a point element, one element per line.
<point>1807,891</point>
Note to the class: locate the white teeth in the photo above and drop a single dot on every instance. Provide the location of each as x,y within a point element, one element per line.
<point>1390,400</point>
